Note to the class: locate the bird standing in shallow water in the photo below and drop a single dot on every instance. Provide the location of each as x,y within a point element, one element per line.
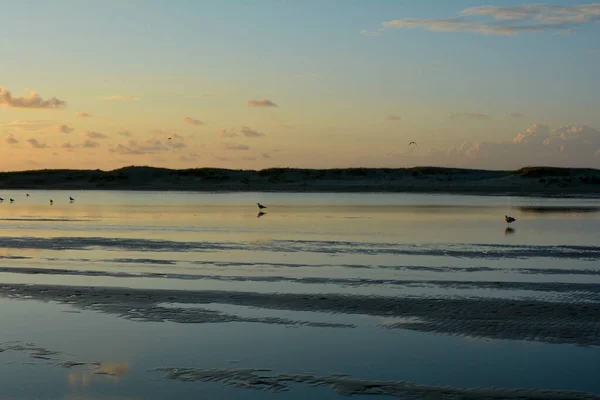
<point>12,200</point>
<point>71,199</point>
<point>508,219</point>
<point>51,201</point>
<point>260,206</point>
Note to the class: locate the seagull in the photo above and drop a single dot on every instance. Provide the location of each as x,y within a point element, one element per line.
<point>1,199</point>
<point>508,219</point>
<point>71,199</point>
<point>415,143</point>
<point>12,200</point>
<point>260,206</point>
<point>169,138</point>
<point>51,201</point>
<point>27,195</point>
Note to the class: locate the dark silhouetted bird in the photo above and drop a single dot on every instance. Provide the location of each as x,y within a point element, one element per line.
<point>508,219</point>
<point>260,206</point>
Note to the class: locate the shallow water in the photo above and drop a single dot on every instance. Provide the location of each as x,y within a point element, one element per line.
<point>430,289</point>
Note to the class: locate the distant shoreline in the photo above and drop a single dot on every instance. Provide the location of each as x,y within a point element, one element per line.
<point>529,181</point>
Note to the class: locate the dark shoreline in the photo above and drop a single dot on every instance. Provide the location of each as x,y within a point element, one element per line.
<point>529,181</point>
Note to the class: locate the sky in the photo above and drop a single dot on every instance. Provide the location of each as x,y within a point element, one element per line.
<point>310,84</point>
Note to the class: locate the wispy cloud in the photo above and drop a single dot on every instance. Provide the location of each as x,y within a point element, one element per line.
<point>393,118</point>
<point>121,97</point>
<point>246,131</point>
<point>140,147</point>
<point>507,21</point>
<point>90,144</point>
<point>227,133</point>
<point>95,135</point>
<point>31,100</point>
<point>63,128</point>
<point>28,125</point>
<point>37,145</point>
<point>231,146</point>
<point>261,103</point>
<point>470,115</point>
<point>83,114</point>
<point>366,32</point>
<point>192,121</point>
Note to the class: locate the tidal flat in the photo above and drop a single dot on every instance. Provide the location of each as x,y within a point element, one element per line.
<point>153,295</point>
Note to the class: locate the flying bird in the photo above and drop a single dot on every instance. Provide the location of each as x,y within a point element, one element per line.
<point>508,219</point>
<point>415,143</point>
<point>260,206</point>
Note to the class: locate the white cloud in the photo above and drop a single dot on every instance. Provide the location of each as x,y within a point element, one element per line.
<point>507,21</point>
<point>569,146</point>
<point>31,100</point>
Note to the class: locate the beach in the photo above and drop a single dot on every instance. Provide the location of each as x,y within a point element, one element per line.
<point>153,294</point>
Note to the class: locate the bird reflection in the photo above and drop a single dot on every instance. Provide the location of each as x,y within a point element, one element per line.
<point>260,214</point>
<point>509,231</point>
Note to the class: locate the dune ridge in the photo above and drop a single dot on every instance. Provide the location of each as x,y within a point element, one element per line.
<point>539,181</point>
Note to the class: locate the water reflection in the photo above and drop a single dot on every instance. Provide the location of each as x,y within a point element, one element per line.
<point>260,214</point>
<point>558,209</point>
<point>109,371</point>
<point>509,231</point>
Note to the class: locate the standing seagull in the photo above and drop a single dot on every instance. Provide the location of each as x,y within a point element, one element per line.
<point>27,195</point>
<point>71,199</point>
<point>1,199</point>
<point>260,206</point>
<point>12,200</point>
<point>508,219</point>
<point>51,201</point>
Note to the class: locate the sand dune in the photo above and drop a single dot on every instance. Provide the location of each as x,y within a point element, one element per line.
<point>530,180</point>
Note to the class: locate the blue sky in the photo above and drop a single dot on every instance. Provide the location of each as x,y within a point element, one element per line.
<point>334,86</point>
